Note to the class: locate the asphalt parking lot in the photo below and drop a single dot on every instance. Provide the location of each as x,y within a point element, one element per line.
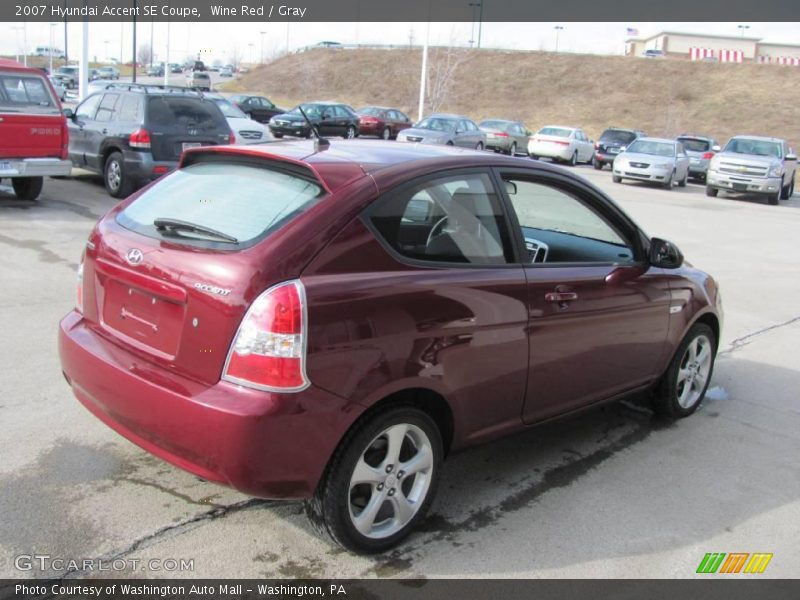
<point>614,493</point>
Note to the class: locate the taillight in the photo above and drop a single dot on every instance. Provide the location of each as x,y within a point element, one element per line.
<point>268,352</point>
<point>79,290</point>
<point>232,138</point>
<point>597,145</point>
<point>370,120</point>
<point>139,138</point>
<point>500,134</point>
<point>708,155</point>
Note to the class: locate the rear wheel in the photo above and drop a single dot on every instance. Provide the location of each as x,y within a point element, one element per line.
<point>479,146</point>
<point>117,182</point>
<point>597,164</point>
<point>277,135</point>
<point>380,482</point>
<point>683,386</point>
<point>387,133</point>
<point>513,150</point>
<point>533,156</point>
<point>573,159</point>
<point>27,188</point>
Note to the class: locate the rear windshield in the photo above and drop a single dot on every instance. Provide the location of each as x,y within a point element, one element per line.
<point>501,125</point>
<point>258,202</point>
<point>184,112</point>
<point>199,76</point>
<point>26,93</point>
<point>694,145</point>
<point>555,131</point>
<point>622,137</point>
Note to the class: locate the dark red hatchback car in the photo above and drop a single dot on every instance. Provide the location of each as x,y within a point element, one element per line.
<point>328,325</point>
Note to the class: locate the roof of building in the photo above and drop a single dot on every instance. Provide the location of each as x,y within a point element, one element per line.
<point>689,34</point>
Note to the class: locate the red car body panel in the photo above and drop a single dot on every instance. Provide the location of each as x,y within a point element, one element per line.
<point>481,339</point>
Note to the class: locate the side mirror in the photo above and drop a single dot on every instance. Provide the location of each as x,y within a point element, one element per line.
<point>511,188</point>
<point>664,254</point>
<point>791,156</point>
<point>68,113</point>
<point>716,148</point>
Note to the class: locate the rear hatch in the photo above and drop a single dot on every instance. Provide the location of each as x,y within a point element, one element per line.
<point>695,147</point>
<point>613,141</point>
<point>176,295</point>
<point>31,122</point>
<point>177,123</point>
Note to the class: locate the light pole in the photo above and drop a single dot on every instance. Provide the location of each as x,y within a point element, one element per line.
<point>17,28</point>
<point>479,4</point>
<point>473,6</point>
<point>106,44</point>
<point>52,43</point>
<point>261,60</point>
<point>251,53</point>
<point>742,29</point>
<point>558,29</point>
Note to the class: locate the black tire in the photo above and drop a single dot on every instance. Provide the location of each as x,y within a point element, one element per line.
<point>513,150</point>
<point>479,146</point>
<point>785,193</point>
<point>711,192</point>
<point>450,143</point>
<point>350,133</point>
<point>616,179</point>
<point>666,394</point>
<point>386,134</point>
<point>27,188</point>
<point>597,164</point>
<point>118,183</point>
<point>573,159</point>
<point>667,185</point>
<point>772,199</point>
<point>277,136</point>
<point>329,510</point>
<point>533,156</point>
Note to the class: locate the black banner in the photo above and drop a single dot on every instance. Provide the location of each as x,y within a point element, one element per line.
<point>399,10</point>
<point>712,588</point>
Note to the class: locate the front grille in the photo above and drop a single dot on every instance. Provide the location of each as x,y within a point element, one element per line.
<point>746,170</point>
<point>638,165</point>
<point>250,135</point>
<point>412,138</point>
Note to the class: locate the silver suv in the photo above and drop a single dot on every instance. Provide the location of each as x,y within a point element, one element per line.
<point>753,165</point>
<point>198,80</point>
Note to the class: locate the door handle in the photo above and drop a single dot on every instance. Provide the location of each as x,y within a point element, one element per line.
<point>560,296</point>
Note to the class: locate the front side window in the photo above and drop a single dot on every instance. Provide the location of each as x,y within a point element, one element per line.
<point>457,219</point>
<point>85,112</point>
<point>106,110</point>
<point>560,228</point>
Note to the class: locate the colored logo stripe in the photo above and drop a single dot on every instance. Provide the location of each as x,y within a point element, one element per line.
<point>734,562</point>
<point>758,562</point>
<point>711,562</point>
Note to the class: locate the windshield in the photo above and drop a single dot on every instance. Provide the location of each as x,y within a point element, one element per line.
<point>437,124</point>
<point>694,145</point>
<point>756,147</point>
<point>67,70</point>
<point>654,148</point>
<point>555,131</point>
<point>619,137</point>
<point>261,202</point>
<point>501,125</point>
<point>311,110</point>
<point>229,110</point>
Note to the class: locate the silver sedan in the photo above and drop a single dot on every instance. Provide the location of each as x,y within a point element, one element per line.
<point>450,130</point>
<point>655,160</point>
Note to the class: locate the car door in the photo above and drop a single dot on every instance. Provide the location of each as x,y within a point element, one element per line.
<point>599,314</point>
<point>587,149</point>
<point>462,136</point>
<point>403,121</point>
<point>83,117</point>
<point>681,161</point>
<point>327,123</point>
<point>452,311</point>
<point>101,128</point>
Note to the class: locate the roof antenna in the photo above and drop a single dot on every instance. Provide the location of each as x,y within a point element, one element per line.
<point>320,143</point>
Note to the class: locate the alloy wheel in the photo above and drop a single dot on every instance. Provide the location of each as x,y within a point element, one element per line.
<point>694,370</point>
<point>114,175</point>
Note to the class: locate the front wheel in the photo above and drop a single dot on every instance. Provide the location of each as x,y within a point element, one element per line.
<point>786,191</point>
<point>277,135</point>
<point>387,133</point>
<point>668,183</point>
<point>682,182</point>
<point>616,179</point>
<point>533,156</point>
<point>479,146</point>
<point>683,386</point>
<point>380,482</point>
<point>711,192</point>
<point>27,188</point>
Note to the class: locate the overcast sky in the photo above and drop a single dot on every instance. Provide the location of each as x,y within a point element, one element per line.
<point>221,40</point>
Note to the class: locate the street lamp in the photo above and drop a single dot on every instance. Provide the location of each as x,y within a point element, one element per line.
<point>262,47</point>
<point>742,29</point>
<point>106,42</point>
<point>559,29</point>
<point>52,43</point>
<point>251,53</point>
<point>479,6</point>
<point>17,28</point>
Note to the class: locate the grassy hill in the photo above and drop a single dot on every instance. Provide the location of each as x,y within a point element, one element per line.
<point>663,97</point>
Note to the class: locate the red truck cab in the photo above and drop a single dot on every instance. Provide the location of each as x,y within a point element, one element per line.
<point>33,129</point>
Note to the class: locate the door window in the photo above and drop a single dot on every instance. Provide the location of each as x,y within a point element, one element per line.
<point>560,228</point>
<point>86,110</point>
<point>131,109</point>
<point>106,110</point>
<point>456,219</point>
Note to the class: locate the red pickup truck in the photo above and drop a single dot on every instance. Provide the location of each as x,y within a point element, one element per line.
<point>33,130</point>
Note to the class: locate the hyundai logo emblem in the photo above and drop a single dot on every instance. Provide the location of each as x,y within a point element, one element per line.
<point>134,256</point>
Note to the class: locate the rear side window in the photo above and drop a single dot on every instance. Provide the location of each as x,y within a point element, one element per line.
<point>184,112</point>
<point>26,93</point>
<point>260,202</point>
<point>131,109</point>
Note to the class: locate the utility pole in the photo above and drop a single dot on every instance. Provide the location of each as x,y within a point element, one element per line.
<point>558,29</point>
<point>167,68</point>
<point>66,45</point>
<point>261,58</point>
<point>152,48</point>
<point>52,43</point>
<point>473,6</point>
<point>424,76</point>
<point>135,58</point>
<point>480,22</point>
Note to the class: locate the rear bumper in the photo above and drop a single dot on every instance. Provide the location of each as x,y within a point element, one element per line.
<point>34,167</point>
<point>498,143</point>
<point>143,168</point>
<point>738,183</point>
<point>550,151</point>
<point>605,158</point>
<point>371,128</point>
<point>263,444</point>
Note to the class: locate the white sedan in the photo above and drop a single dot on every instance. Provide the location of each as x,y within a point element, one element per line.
<point>246,130</point>
<point>655,160</point>
<point>562,144</point>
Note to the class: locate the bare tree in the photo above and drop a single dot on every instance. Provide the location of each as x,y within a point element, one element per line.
<point>145,54</point>
<point>442,68</point>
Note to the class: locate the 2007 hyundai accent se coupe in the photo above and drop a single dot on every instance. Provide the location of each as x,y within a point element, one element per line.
<point>329,324</point>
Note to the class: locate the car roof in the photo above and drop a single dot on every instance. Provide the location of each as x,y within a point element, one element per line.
<point>570,127</point>
<point>446,116</point>
<point>499,120</point>
<point>12,65</point>
<point>692,136</point>
<point>344,161</point>
<point>759,138</point>
<point>655,139</point>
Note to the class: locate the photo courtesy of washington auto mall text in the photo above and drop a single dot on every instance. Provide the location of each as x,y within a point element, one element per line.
<point>410,300</point>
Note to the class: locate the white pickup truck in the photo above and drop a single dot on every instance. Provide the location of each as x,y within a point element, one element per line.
<point>753,165</point>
